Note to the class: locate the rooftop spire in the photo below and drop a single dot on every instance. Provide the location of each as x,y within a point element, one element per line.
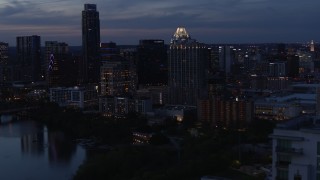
<point>181,34</point>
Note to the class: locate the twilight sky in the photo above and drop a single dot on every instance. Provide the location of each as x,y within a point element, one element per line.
<point>127,21</point>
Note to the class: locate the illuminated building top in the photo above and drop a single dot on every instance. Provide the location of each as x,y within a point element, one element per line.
<point>180,35</point>
<point>312,46</point>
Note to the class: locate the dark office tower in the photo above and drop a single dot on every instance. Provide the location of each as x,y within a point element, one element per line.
<point>28,56</point>
<point>108,51</point>
<point>4,72</point>
<point>90,68</point>
<point>293,66</point>
<point>56,56</point>
<point>186,67</point>
<point>213,59</point>
<point>282,52</point>
<point>152,63</point>
<point>225,59</point>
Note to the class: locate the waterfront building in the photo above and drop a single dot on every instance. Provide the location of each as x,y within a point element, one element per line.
<point>75,97</point>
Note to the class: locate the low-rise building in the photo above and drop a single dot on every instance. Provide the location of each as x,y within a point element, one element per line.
<point>121,106</point>
<point>178,112</point>
<point>274,110</point>
<point>77,97</point>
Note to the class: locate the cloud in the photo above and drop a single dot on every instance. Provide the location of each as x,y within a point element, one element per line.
<point>128,21</point>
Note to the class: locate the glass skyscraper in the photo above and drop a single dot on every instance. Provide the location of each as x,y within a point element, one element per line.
<point>90,66</point>
<point>4,57</point>
<point>56,56</point>
<point>29,58</point>
<point>152,62</point>
<point>187,73</point>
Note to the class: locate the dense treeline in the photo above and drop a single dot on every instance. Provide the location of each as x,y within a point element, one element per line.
<point>189,156</point>
<point>80,125</point>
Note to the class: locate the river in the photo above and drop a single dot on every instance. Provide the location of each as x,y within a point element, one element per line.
<point>28,151</point>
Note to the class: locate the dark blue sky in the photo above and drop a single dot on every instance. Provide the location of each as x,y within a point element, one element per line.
<point>125,21</point>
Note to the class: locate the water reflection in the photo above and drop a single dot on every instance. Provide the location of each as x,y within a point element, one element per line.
<point>29,151</point>
<point>33,144</point>
<point>60,150</point>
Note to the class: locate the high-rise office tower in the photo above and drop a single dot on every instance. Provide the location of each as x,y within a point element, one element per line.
<point>277,69</point>
<point>4,61</point>
<point>152,62</point>
<point>108,51</point>
<point>225,60</point>
<point>90,68</point>
<point>293,66</point>
<point>29,58</point>
<point>56,56</point>
<point>117,75</point>
<point>187,73</point>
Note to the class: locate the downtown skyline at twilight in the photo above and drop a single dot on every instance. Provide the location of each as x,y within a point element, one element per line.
<point>208,21</point>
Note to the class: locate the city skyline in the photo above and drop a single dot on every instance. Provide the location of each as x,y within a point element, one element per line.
<point>209,21</point>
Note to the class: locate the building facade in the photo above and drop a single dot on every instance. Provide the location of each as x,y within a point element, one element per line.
<point>152,62</point>
<point>4,57</point>
<point>296,150</point>
<point>75,97</point>
<point>56,56</point>
<point>231,113</point>
<point>117,76</point>
<point>90,44</point>
<point>187,74</point>
<point>29,58</point>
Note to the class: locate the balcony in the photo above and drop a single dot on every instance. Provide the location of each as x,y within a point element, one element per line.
<point>289,151</point>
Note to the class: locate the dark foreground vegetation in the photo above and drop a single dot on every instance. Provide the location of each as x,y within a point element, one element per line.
<point>174,153</point>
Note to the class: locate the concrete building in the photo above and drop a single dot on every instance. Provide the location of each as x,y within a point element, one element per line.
<point>220,112</point>
<point>296,150</point>
<point>275,110</point>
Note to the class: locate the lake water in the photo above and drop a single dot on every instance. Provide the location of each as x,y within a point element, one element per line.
<point>28,151</point>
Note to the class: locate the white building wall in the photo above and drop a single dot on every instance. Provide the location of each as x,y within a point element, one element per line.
<point>305,164</point>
